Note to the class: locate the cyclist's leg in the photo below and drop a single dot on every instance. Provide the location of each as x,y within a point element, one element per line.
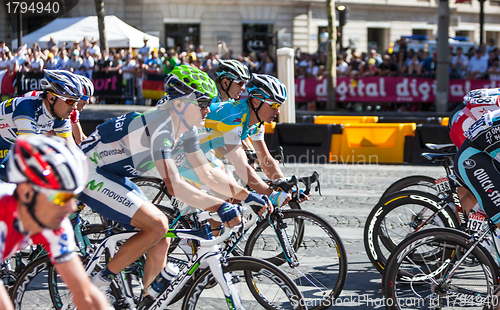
<point>477,170</point>
<point>119,199</point>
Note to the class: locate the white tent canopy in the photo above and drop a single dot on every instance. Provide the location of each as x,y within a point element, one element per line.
<point>118,33</point>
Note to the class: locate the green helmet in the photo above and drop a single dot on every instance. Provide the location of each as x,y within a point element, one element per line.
<point>184,80</point>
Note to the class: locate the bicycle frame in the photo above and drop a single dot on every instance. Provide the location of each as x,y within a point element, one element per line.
<point>209,252</point>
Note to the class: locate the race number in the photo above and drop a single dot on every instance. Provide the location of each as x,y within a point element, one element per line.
<point>476,221</point>
<point>176,203</point>
<point>442,185</point>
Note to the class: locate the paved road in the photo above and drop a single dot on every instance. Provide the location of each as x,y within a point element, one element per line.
<point>349,192</point>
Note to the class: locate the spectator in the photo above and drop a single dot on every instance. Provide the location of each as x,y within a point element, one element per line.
<point>36,65</point>
<point>170,61</point>
<point>459,64</point>
<point>269,66</point>
<point>402,63</point>
<point>51,62</point>
<point>3,47</point>
<point>321,72</point>
<point>494,71</point>
<point>87,65</point>
<point>342,66</point>
<point>128,69</point>
<point>62,60</point>
<point>154,62</point>
<point>210,66</point>
<point>302,71</point>
<point>200,53</point>
<point>307,63</point>
<point>370,68</point>
<point>3,61</point>
<point>104,62</point>
<point>75,63</point>
<point>355,65</point>
<point>145,50</point>
<point>429,66</point>
<point>85,45</point>
<point>415,67</point>
<point>387,67</point>
<point>491,46</point>
<point>94,49</point>
<point>372,54</point>
<point>11,61</point>
<point>76,46</point>
<point>421,54</point>
<point>116,61</point>
<point>477,66</point>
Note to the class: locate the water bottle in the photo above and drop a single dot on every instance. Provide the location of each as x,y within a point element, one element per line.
<point>163,280</point>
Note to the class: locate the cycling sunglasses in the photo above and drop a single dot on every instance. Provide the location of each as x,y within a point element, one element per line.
<point>204,103</point>
<point>240,82</point>
<point>69,101</point>
<point>85,98</point>
<point>275,105</point>
<point>58,197</point>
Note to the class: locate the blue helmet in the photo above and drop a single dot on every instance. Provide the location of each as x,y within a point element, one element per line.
<point>62,82</point>
<point>267,86</point>
<point>233,69</point>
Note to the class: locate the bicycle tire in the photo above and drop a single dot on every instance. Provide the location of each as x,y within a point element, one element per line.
<point>413,182</point>
<point>320,282</point>
<point>397,216</point>
<point>430,283</point>
<point>260,284</point>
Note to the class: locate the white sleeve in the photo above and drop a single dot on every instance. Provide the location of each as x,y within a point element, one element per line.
<point>233,137</point>
<point>259,135</point>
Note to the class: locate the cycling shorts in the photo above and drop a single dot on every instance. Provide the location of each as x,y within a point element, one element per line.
<point>114,197</point>
<point>480,173</point>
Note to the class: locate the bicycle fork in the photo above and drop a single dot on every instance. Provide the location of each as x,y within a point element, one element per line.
<point>276,221</point>
<point>225,280</point>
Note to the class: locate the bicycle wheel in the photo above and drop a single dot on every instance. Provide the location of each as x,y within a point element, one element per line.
<point>319,280</point>
<point>396,217</point>
<point>415,280</point>
<point>154,188</point>
<point>259,284</point>
<point>415,182</point>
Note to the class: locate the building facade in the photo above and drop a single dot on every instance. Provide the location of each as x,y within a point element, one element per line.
<point>249,25</point>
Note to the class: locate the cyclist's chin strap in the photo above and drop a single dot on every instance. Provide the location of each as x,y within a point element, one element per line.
<point>227,89</point>
<point>31,209</point>
<point>181,115</point>
<point>51,108</point>
<point>256,110</point>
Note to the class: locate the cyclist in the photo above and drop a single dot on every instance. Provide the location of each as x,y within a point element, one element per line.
<point>48,173</point>
<point>228,123</point>
<point>88,91</point>
<point>232,76</point>
<point>477,163</point>
<point>134,143</point>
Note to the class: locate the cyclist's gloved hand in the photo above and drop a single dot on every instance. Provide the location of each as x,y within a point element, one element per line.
<point>279,198</point>
<point>258,202</point>
<point>228,212</point>
<point>301,195</point>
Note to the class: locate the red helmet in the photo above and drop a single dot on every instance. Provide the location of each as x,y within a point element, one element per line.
<point>48,162</point>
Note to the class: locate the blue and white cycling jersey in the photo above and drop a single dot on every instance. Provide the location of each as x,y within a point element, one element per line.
<point>129,145</point>
<point>124,147</point>
<point>28,115</point>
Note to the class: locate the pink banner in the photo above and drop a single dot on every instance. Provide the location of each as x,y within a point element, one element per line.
<point>385,89</point>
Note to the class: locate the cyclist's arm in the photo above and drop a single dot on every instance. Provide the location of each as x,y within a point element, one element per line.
<point>215,179</point>
<point>268,164</point>
<point>78,132</point>
<point>184,191</point>
<point>238,158</point>
<point>85,294</point>
<point>5,303</point>
<point>247,144</point>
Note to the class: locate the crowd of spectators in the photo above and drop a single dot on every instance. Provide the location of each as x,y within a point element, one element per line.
<point>479,63</point>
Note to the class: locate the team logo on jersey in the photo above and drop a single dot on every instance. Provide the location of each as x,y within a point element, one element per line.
<point>93,186</point>
<point>469,163</point>
<point>167,142</point>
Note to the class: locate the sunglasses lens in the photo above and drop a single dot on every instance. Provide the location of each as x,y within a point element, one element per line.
<point>85,98</point>
<point>60,198</point>
<point>203,104</point>
<point>275,105</point>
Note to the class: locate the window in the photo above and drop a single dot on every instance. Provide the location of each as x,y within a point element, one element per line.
<point>180,36</point>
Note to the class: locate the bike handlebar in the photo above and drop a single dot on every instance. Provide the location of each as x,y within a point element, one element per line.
<point>289,184</point>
